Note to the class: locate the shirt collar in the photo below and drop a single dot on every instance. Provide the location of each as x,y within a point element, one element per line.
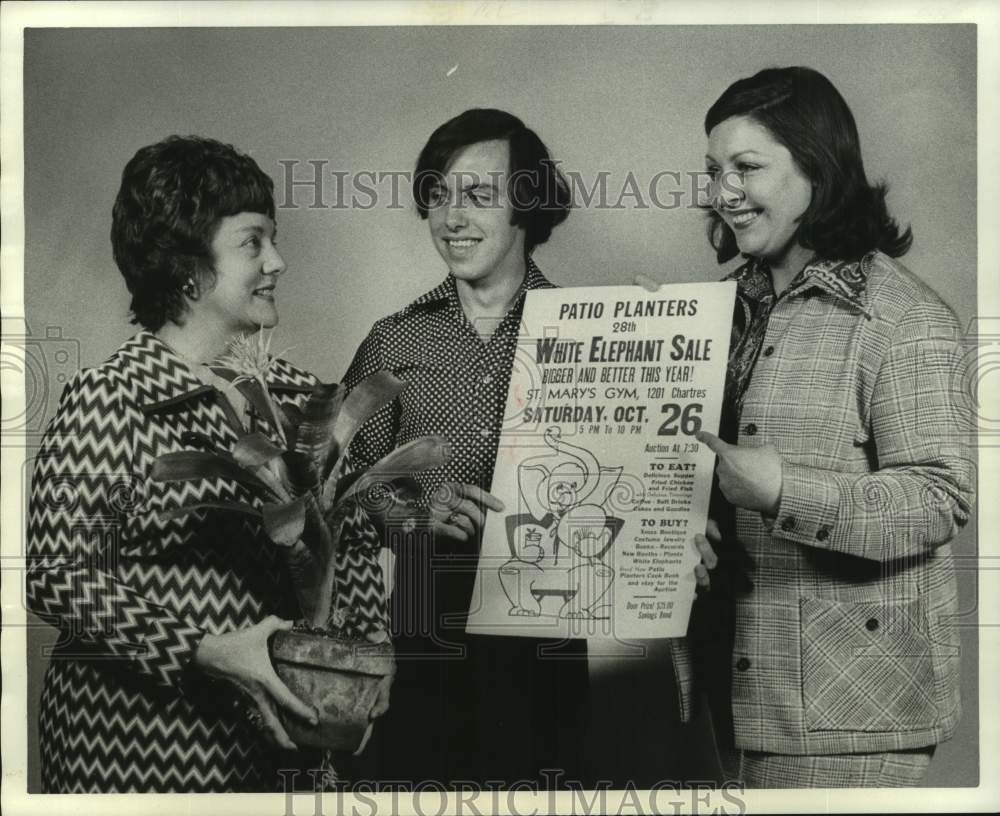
<point>845,280</point>
<point>446,291</point>
<point>162,379</point>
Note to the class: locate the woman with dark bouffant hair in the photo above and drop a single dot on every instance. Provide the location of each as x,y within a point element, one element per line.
<point>165,619</point>
<point>844,463</point>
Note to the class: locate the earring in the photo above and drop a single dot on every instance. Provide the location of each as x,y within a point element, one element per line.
<point>190,289</point>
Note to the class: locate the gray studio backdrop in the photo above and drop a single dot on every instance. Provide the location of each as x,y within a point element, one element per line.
<point>616,100</point>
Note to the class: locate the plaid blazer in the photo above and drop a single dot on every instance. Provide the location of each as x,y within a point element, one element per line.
<point>133,593</point>
<point>843,636</point>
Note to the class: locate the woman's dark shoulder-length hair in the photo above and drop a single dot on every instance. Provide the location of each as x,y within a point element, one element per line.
<point>537,189</point>
<point>847,217</point>
<point>172,196</point>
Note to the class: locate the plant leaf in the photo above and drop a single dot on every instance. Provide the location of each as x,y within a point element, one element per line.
<point>344,483</point>
<point>262,403</point>
<point>315,433</point>
<point>419,454</point>
<point>198,439</point>
<point>393,502</point>
<point>306,574</point>
<point>235,507</point>
<point>254,450</point>
<point>371,394</point>
<point>302,475</point>
<point>292,420</point>
<point>284,522</point>
<point>188,466</point>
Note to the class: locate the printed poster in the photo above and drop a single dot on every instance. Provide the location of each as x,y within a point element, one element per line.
<point>603,482</point>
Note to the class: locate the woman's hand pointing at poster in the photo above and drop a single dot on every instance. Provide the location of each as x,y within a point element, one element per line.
<point>748,477</point>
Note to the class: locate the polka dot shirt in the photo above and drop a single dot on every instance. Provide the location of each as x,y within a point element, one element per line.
<point>457,383</point>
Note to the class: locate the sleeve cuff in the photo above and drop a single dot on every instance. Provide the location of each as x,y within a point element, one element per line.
<point>809,506</point>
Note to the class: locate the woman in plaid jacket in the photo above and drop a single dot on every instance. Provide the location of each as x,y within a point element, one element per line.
<point>162,620</point>
<point>845,458</point>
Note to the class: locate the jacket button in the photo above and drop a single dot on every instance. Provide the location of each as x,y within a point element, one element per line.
<point>788,523</point>
<point>750,429</point>
<point>769,351</point>
<point>871,624</point>
<point>822,534</point>
<point>743,664</point>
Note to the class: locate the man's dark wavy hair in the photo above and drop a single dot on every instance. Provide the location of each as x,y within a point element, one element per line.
<point>801,108</point>
<point>172,196</point>
<point>538,191</point>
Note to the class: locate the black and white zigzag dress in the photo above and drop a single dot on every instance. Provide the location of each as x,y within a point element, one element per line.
<point>133,594</point>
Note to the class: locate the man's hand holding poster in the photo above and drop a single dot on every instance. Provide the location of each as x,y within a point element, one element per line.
<point>604,483</point>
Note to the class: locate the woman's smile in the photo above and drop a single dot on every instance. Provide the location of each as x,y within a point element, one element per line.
<point>759,190</point>
<point>743,219</point>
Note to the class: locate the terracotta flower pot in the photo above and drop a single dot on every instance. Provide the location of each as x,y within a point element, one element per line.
<point>339,677</point>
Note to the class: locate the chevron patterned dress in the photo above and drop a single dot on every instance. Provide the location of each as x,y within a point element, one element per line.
<point>132,594</point>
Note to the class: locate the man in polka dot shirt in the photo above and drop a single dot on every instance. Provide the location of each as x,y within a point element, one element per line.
<point>468,707</point>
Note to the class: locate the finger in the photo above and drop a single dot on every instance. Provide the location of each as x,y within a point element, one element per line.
<point>715,444</point>
<point>382,700</point>
<point>276,731</point>
<point>272,624</point>
<point>458,517</point>
<point>381,706</point>
<point>283,696</point>
<point>701,576</point>
<point>467,525</point>
<point>449,530</point>
<point>708,556</point>
<point>472,512</point>
<point>480,496</point>
<point>712,531</point>
<point>646,282</point>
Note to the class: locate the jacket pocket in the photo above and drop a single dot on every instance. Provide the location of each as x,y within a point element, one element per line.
<point>866,666</point>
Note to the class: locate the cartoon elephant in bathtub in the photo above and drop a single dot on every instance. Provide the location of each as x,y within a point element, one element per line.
<point>558,547</point>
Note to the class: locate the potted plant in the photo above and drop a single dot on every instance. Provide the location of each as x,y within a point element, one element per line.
<point>301,494</point>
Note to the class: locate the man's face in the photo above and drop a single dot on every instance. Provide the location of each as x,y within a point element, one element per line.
<point>470,216</point>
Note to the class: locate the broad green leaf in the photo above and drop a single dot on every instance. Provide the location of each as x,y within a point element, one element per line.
<point>263,404</point>
<point>284,522</point>
<point>254,450</point>
<point>302,475</point>
<point>305,572</point>
<point>392,503</point>
<point>189,466</point>
<point>315,433</point>
<point>344,484</point>
<point>293,418</point>
<point>365,399</point>
<point>420,454</point>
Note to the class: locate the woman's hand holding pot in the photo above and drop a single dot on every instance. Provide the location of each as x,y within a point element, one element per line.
<point>242,658</point>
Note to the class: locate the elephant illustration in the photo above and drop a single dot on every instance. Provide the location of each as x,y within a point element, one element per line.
<point>558,547</point>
